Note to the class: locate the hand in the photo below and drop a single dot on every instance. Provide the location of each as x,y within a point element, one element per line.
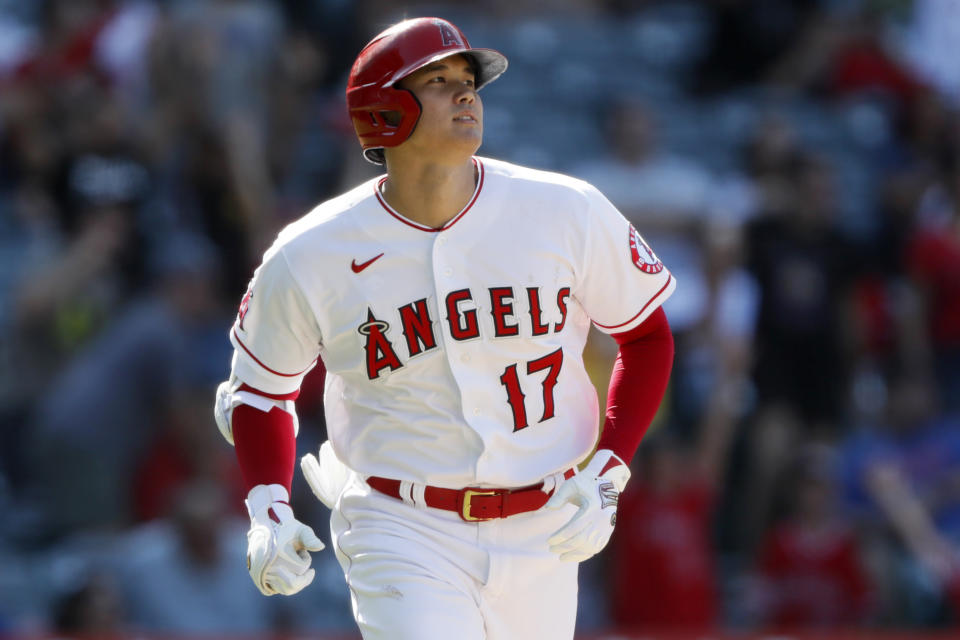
<point>277,543</point>
<point>596,490</point>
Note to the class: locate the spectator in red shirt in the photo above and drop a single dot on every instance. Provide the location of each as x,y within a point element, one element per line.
<point>662,573</point>
<point>810,572</point>
<point>183,453</point>
<point>662,568</point>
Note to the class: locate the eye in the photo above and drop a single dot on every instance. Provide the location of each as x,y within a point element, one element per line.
<point>437,79</point>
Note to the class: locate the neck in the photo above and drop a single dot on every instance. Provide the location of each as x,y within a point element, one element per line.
<point>430,194</point>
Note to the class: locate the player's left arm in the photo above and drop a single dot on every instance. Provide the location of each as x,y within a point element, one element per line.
<point>622,287</point>
<point>637,385</point>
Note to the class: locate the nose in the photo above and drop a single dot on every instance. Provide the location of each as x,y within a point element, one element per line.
<point>466,95</point>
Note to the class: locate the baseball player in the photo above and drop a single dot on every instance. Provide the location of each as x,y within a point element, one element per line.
<point>449,301</point>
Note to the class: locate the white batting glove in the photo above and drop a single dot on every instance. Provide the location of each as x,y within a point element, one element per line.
<point>277,547</point>
<point>596,490</point>
<point>325,474</point>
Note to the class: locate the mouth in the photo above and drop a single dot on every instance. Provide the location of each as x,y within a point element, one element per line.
<point>465,117</point>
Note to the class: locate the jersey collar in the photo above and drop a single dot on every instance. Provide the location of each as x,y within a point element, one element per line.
<point>421,227</point>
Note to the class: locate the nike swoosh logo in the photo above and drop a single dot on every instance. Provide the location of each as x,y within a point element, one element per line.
<point>357,268</point>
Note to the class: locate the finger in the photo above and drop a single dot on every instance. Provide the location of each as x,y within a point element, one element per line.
<point>600,537</point>
<point>308,539</point>
<point>258,572</point>
<point>287,583</point>
<point>574,526</point>
<point>576,540</point>
<point>295,561</point>
<point>282,580</point>
<point>566,546</point>
<point>588,539</point>
<point>298,583</point>
<point>560,497</point>
<point>265,587</point>
<point>303,581</point>
<point>578,555</point>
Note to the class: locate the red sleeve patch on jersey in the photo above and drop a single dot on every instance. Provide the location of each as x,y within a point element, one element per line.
<point>642,255</point>
<point>244,307</point>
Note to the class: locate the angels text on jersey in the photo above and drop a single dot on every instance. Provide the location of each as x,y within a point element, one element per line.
<point>460,322</point>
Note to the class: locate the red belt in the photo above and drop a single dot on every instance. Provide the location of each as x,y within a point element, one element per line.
<point>475,503</point>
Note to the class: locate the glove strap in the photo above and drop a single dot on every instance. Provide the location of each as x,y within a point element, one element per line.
<point>264,497</point>
<point>607,464</point>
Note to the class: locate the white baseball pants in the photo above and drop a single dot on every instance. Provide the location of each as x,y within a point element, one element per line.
<point>425,574</point>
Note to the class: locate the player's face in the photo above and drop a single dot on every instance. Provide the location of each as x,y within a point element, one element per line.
<point>451,122</point>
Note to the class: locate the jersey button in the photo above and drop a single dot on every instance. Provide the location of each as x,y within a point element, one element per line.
<point>465,357</point>
<point>476,411</point>
<point>448,272</point>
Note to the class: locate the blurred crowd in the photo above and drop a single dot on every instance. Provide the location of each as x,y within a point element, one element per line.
<point>795,163</point>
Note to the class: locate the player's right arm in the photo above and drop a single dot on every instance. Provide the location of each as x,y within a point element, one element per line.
<point>276,340</point>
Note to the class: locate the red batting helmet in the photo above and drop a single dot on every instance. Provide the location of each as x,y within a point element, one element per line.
<point>390,57</point>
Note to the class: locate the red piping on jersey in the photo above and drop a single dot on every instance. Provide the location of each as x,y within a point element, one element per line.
<point>421,227</point>
<point>293,395</point>
<point>257,360</point>
<point>639,313</point>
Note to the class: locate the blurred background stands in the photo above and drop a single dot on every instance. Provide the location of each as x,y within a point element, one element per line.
<point>796,163</point>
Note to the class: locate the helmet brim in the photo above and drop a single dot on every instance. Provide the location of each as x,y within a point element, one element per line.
<point>490,65</point>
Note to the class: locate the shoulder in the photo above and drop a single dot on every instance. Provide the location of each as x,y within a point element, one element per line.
<point>501,174</point>
<point>326,222</point>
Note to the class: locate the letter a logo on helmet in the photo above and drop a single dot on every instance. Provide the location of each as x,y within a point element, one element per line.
<point>450,37</point>
<point>385,116</point>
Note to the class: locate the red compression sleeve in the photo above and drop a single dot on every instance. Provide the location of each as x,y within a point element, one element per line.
<point>265,444</point>
<point>637,384</point>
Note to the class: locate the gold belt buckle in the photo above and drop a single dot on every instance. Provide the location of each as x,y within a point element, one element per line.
<point>467,497</point>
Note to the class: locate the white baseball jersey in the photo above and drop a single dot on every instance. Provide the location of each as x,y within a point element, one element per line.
<point>453,355</point>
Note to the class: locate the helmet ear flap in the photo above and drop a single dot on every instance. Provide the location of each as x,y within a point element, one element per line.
<point>383,115</point>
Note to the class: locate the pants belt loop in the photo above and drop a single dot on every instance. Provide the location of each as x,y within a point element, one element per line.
<point>417,492</point>
<point>551,482</point>
<point>405,491</point>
